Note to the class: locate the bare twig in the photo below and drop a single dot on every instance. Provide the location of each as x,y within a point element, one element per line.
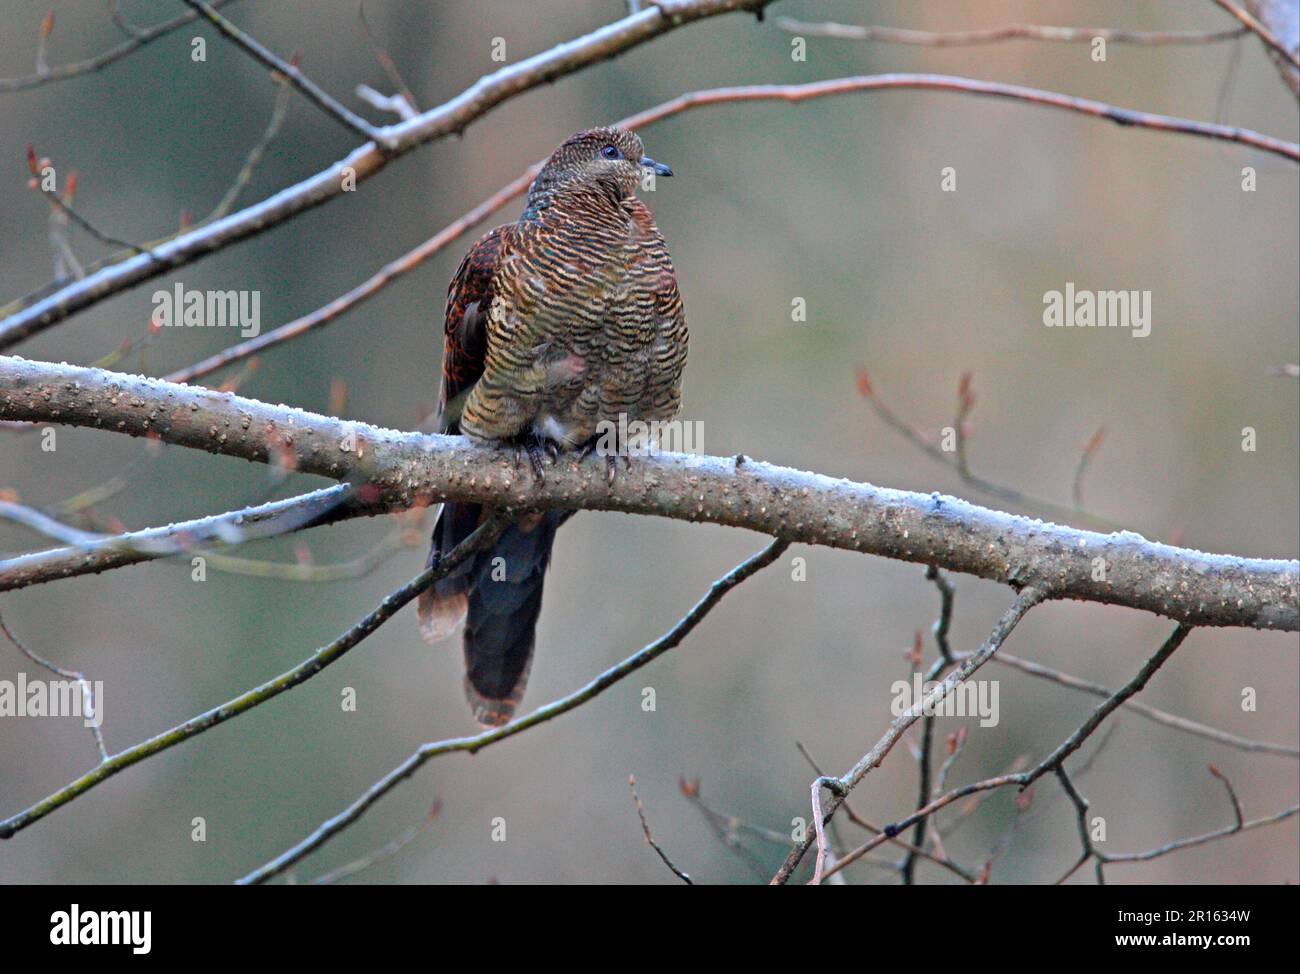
<point>912,850</point>
<point>1052,762</point>
<point>1146,710</point>
<point>957,461</point>
<point>367,160</point>
<point>90,706</point>
<point>645,829</point>
<point>483,535</point>
<point>1260,31</point>
<point>254,157</point>
<point>450,118</point>
<point>90,553</point>
<point>471,745</point>
<point>386,62</point>
<point>310,90</point>
<point>141,37</point>
<point>1005,32</point>
<point>386,851</point>
<point>1164,850</point>
<point>1026,600</point>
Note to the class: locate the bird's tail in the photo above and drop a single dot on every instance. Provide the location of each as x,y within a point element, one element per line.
<point>498,592</point>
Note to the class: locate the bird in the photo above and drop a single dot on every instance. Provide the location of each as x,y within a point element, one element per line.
<point>555,326</point>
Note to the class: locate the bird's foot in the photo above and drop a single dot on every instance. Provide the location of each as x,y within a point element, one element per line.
<point>531,447</point>
<point>611,466</point>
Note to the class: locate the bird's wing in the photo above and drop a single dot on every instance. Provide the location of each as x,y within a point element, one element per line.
<point>465,342</point>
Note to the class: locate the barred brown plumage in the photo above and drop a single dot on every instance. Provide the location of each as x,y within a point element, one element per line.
<point>565,319</point>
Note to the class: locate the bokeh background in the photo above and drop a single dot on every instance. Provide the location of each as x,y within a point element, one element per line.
<point>836,201</point>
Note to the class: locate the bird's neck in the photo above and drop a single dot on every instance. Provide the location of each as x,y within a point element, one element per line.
<point>546,193</point>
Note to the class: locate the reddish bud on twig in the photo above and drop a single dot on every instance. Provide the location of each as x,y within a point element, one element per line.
<point>965,394</point>
<point>1025,799</point>
<point>690,789</point>
<point>915,653</point>
<point>864,384</point>
<point>47,25</point>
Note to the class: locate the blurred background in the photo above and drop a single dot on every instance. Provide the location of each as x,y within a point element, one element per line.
<point>836,201</point>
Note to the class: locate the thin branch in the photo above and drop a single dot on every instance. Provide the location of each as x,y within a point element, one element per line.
<point>942,624</point>
<point>1026,600</point>
<point>865,823</point>
<point>1116,699</point>
<point>1006,32</point>
<point>956,460</point>
<point>366,289</point>
<point>452,117</point>
<point>1081,821</point>
<point>90,706</point>
<point>481,537</point>
<point>367,160</point>
<point>497,201</point>
<point>1237,812</point>
<point>1263,33</point>
<point>387,851</point>
<point>1164,850</point>
<point>404,94</point>
<point>254,157</point>
<point>541,715</point>
<point>1146,710</point>
<point>140,38</point>
<point>729,828</point>
<point>1052,762</point>
<point>645,829</point>
<point>57,201</point>
<point>1085,458</point>
<point>313,92</point>
<point>89,553</point>
<point>404,470</point>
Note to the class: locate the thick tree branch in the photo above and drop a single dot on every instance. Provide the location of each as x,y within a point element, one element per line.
<point>401,470</point>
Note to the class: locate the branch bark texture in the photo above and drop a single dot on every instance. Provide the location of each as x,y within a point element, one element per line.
<point>396,470</point>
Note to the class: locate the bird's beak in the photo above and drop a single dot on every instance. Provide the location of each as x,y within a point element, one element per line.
<point>658,168</point>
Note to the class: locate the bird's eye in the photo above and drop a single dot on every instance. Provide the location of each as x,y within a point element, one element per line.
<point>611,152</point>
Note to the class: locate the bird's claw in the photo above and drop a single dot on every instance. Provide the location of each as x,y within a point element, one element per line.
<point>535,458</point>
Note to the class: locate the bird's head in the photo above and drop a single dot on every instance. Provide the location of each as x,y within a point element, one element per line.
<point>609,159</point>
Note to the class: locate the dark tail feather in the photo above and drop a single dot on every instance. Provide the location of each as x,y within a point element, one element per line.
<point>499,590</point>
<point>442,606</point>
